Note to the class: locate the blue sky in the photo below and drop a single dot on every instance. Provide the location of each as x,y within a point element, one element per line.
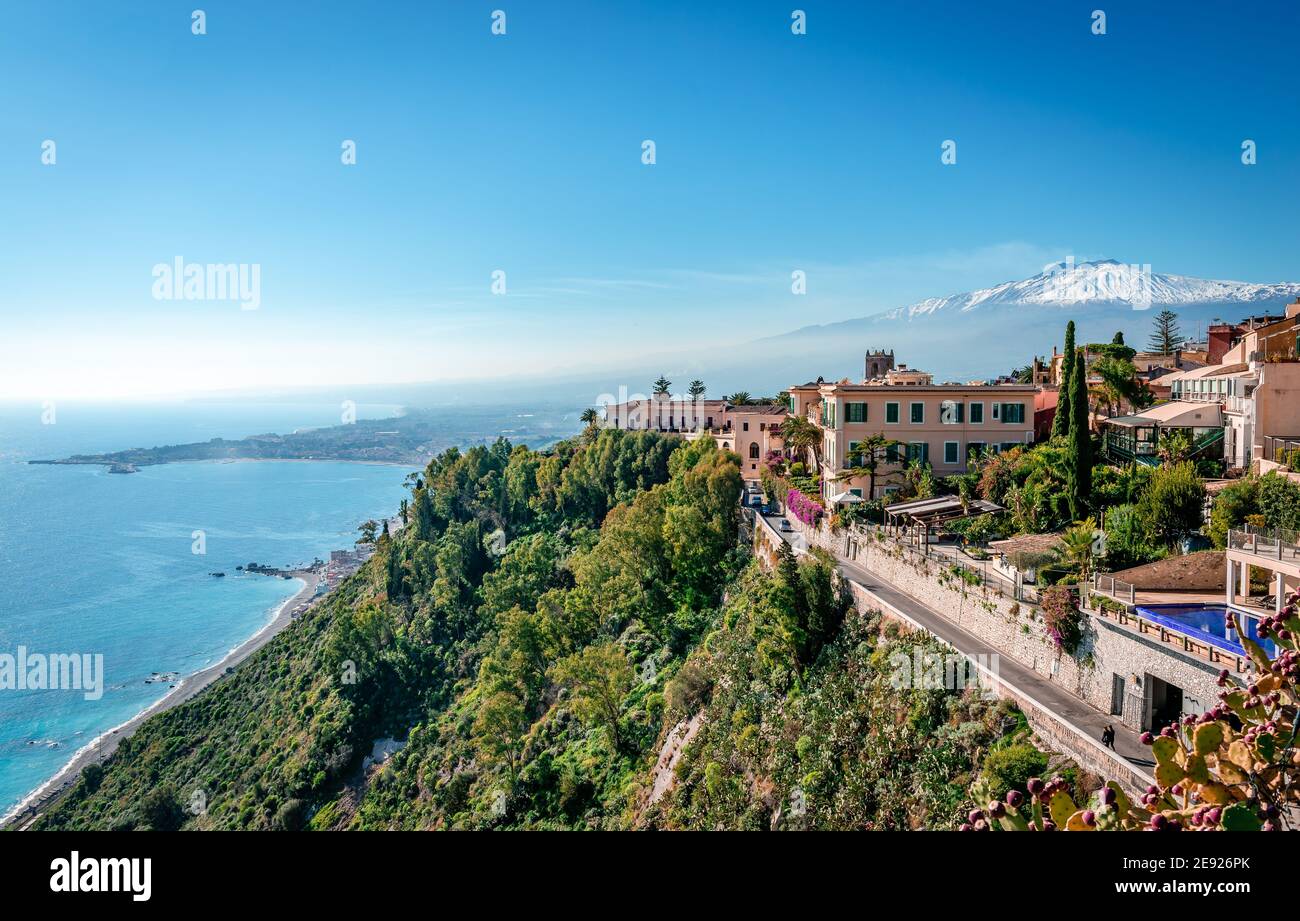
<point>522,153</point>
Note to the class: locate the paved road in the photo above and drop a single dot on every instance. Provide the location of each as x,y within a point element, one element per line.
<point>1071,709</point>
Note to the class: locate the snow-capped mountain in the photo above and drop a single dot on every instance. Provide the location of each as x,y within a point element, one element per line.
<point>982,334</point>
<point>1105,282</point>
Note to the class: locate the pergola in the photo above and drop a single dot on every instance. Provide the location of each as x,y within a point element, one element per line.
<point>915,518</point>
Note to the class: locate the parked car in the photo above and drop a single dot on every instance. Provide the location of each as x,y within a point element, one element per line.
<point>785,525</point>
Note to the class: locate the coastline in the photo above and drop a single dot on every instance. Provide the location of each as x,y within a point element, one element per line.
<point>104,745</point>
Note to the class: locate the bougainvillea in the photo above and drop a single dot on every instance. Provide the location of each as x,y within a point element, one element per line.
<point>1063,618</point>
<point>807,510</point>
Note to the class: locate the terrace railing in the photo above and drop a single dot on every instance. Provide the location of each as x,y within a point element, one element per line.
<point>1276,543</point>
<point>1284,450</point>
<point>973,572</point>
<point>1108,585</point>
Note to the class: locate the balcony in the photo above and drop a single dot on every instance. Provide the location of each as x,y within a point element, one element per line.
<point>1269,544</point>
<point>1284,450</point>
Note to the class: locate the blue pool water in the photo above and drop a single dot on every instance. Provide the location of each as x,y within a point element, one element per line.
<point>1206,622</point>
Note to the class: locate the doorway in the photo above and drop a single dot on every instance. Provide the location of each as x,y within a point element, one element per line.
<point>1164,703</point>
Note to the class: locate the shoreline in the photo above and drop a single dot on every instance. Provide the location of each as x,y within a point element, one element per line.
<point>99,749</point>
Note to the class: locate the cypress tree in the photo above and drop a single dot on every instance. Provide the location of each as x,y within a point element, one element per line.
<point>1061,421</point>
<point>1079,456</point>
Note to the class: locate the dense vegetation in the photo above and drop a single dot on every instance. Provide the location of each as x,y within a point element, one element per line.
<point>531,639</point>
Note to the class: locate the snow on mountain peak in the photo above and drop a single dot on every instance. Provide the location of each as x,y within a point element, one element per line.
<point>1104,281</point>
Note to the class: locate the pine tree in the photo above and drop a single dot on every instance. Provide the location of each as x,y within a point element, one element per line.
<point>1119,338</point>
<point>1079,456</point>
<point>1061,422</point>
<point>1165,337</point>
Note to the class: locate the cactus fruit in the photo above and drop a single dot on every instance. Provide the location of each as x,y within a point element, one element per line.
<point>1209,775</point>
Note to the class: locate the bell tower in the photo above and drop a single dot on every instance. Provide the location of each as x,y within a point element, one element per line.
<point>878,364</point>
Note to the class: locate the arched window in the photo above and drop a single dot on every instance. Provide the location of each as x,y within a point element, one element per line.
<point>753,450</point>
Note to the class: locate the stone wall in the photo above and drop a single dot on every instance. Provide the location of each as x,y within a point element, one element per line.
<point>1018,631</point>
<point>1054,733</point>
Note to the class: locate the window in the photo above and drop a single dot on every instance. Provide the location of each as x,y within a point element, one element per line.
<point>951,412</point>
<point>1013,413</point>
<point>918,413</point>
<point>895,453</point>
<point>854,456</point>
<point>919,451</point>
<point>977,414</point>
<point>1008,445</point>
<point>857,492</point>
<point>855,412</point>
<point>891,414</point>
<point>746,426</point>
<point>753,450</point>
<point>951,451</point>
<point>975,449</point>
<point>828,413</point>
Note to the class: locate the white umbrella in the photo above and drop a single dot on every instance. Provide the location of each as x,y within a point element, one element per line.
<point>846,497</point>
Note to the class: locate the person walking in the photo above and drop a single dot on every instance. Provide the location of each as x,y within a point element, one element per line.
<point>1108,737</point>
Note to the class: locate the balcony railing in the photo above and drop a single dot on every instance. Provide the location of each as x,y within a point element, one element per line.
<point>1284,450</point>
<point>1274,543</point>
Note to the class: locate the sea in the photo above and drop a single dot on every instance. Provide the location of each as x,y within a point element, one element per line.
<point>120,565</point>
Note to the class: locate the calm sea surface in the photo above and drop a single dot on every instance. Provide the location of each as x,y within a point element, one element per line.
<point>99,563</point>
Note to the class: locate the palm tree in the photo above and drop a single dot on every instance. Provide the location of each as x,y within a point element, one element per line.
<point>799,434</point>
<point>662,386</point>
<point>1078,547</point>
<point>739,398</point>
<point>1118,386</point>
<point>590,417</point>
<point>696,390</point>
<point>867,459</point>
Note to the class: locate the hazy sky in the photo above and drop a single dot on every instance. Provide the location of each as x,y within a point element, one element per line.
<point>523,153</point>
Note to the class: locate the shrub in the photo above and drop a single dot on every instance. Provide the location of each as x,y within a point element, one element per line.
<point>1011,767</point>
<point>1171,505</point>
<point>803,508</point>
<point>1063,618</point>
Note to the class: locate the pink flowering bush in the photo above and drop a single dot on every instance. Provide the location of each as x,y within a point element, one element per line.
<point>1063,618</point>
<point>807,510</point>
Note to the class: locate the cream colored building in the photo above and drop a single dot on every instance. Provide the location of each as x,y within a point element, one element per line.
<point>1257,386</point>
<point>939,424</point>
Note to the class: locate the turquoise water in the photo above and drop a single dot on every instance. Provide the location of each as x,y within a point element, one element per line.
<point>1209,623</point>
<point>92,562</point>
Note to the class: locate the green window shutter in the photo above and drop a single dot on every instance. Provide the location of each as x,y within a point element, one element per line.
<point>951,451</point>
<point>977,413</point>
<point>891,413</point>
<point>918,413</point>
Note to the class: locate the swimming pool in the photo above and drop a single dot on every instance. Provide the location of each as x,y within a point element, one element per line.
<point>1208,623</point>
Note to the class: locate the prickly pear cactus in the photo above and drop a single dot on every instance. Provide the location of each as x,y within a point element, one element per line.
<point>1209,775</point>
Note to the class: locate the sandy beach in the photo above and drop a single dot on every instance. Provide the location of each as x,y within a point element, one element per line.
<point>102,747</point>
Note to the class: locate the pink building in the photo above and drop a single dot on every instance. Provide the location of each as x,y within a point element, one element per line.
<point>749,430</point>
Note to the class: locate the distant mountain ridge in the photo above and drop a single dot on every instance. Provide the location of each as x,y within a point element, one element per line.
<point>983,334</point>
<point>1105,281</point>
